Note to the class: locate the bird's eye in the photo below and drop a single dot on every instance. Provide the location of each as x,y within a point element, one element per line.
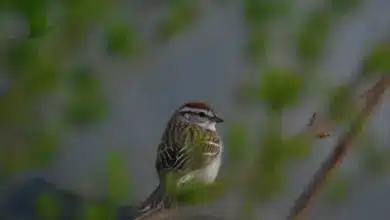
<point>202,114</point>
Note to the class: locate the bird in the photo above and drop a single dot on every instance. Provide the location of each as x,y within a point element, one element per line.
<point>190,148</point>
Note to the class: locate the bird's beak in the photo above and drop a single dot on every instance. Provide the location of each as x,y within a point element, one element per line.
<point>217,119</point>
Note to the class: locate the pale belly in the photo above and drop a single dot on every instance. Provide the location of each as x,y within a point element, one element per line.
<point>209,173</point>
<point>205,175</point>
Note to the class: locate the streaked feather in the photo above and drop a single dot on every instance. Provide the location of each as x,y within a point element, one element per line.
<point>186,147</point>
<point>187,150</point>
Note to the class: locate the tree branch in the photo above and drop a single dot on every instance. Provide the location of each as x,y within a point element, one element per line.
<point>372,98</point>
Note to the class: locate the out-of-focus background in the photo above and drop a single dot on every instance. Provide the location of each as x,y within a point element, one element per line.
<point>86,88</point>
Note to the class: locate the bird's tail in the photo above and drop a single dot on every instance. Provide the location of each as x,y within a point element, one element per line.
<point>157,201</point>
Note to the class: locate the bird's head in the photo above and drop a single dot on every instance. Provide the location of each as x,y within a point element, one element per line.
<point>199,113</point>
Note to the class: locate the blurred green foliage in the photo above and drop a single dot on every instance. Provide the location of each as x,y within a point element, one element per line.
<point>92,212</point>
<point>121,39</point>
<point>182,13</point>
<point>280,88</point>
<point>79,15</point>
<point>259,15</point>
<point>374,159</point>
<point>266,177</point>
<point>36,67</point>
<point>312,36</point>
<point>257,43</point>
<point>338,189</point>
<point>277,88</point>
<point>298,146</point>
<point>194,192</point>
<point>119,187</point>
<point>36,15</point>
<point>269,172</point>
<point>258,12</point>
<point>98,211</point>
<point>342,7</point>
<point>87,102</point>
<point>314,31</point>
<point>341,106</point>
<point>237,146</point>
<point>378,60</point>
<point>48,206</point>
<point>43,147</point>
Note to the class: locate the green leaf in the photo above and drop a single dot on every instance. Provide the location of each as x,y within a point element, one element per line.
<point>267,182</point>
<point>257,43</point>
<point>280,88</point>
<point>31,66</point>
<point>43,148</point>
<point>181,13</point>
<point>21,53</point>
<point>31,8</point>
<point>85,110</point>
<point>82,79</point>
<point>237,144</point>
<point>343,6</point>
<point>273,153</point>
<point>81,12</point>
<point>374,159</point>
<point>312,36</point>
<point>42,76</point>
<point>338,189</point>
<point>299,147</point>
<point>268,177</point>
<point>341,107</point>
<point>260,11</point>
<point>121,39</point>
<point>92,212</point>
<point>13,162</point>
<point>35,13</point>
<point>378,60</point>
<point>87,103</point>
<point>118,184</point>
<point>195,192</point>
<point>98,211</point>
<point>39,26</point>
<point>48,206</point>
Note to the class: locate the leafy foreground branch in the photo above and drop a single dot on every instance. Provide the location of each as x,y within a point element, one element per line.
<point>316,128</point>
<point>372,98</point>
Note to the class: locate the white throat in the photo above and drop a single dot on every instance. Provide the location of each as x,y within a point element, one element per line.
<point>208,125</point>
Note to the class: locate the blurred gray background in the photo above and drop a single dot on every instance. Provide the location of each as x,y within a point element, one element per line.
<point>205,62</point>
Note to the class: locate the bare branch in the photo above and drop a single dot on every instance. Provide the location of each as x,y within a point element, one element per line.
<point>372,97</point>
<point>319,128</point>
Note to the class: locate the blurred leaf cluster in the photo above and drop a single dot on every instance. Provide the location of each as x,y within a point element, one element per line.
<point>121,39</point>
<point>36,68</point>
<point>259,15</point>
<point>378,60</point>
<point>34,71</point>
<point>277,89</point>
<point>118,185</point>
<point>48,206</point>
<point>86,102</point>
<point>314,31</point>
<point>181,14</point>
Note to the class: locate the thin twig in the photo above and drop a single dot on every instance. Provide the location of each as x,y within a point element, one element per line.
<point>334,159</point>
<point>320,129</point>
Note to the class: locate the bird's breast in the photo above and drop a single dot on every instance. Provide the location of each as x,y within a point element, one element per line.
<point>210,172</point>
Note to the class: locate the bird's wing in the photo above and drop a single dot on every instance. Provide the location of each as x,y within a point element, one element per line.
<point>192,156</point>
